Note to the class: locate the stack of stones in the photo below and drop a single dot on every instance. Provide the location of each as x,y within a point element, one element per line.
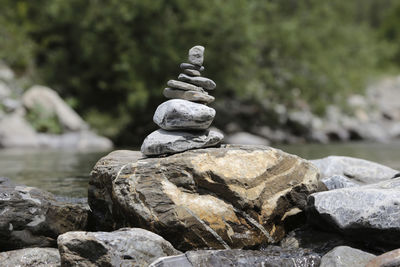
<point>184,120</point>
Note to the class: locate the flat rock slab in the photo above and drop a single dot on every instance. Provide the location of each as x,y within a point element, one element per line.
<point>28,257</point>
<point>192,72</point>
<point>362,171</point>
<point>184,86</point>
<point>203,82</point>
<point>275,257</point>
<point>33,217</point>
<point>188,66</point>
<point>125,247</point>
<point>162,142</point>
<point>195,96</point>
<point>228,197</point>
<point>178,114</point>
<point>346,256</point>
<point>368,213</point>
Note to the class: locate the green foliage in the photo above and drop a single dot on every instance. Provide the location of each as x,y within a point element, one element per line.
<point>43,121</point>
<point>112,59</point>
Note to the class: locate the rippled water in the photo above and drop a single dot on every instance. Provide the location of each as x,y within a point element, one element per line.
<point>66,173</point>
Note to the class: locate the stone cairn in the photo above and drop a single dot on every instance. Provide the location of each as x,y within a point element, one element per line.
<point>184,120</point>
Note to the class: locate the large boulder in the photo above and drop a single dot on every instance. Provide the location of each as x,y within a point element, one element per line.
<point>359,170</point>
<point>33,217</point>
<point>388,259</point>
<point>346,256</point>
<point>370,213</point>
<point>125,247</point>
<point>51,102</point>
<point>272,256</point>
<point>228,197</point>
<point>28,257</point>
<point>15,131</point>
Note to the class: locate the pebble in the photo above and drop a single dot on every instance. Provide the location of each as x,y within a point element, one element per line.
<point>184,86</point>
<point>189,66</point>
<point>200,81</point>
<point>202,97</point>
<point>196,55</point>
<point>192,72</point>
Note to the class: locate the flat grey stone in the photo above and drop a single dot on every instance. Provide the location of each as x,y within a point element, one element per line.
<point>346,256</point>
<point>167,142</point>
<point>184,86</point>
<point>360,170</point>
<point>196,55</point>
<point>195,96</point>
<point>338,181</point>
<point>178,114</point>
<point>192,72</point>
<point>367,213</point>
<point>188,66</point>
<point>200,81</point>
<point>28,257</point>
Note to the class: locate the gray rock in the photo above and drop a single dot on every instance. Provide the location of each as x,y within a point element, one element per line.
<point>29,257</point>
<point>388,259</point>
<point>178,114</point>
<point>188,66</point>
<point>196,55</point>
<point>346,256</point>
<point>368,213</point>
<point>338,181</point>
<point>166,142</point>
<point>273,257</point>
<point>32,217</point>
<point>227,197</point>
<point>203,82</point>
<point>244,138</point>
<point>5,91</point>
<point>15,131</point>
<point>362,171</point>
<point>52,103</point>
<point>11,105</point>
<point>125,247</point>
<point>192,72</point>
<point>184,86</point>
<point>202,97</point>
<point>6,74</point>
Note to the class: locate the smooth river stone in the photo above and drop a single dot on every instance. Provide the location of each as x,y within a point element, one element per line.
<point>202,97</point>
<point>167,142</point>
<point>192,72</point>
<point>196,55</point>
<point>188,66</point>
<point>200,81</point>
<point>178,114</point>
<point>184,86</point>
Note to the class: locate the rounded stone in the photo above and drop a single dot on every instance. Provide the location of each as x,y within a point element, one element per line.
<point>200,81</point>
<point>189,66</point>
<point>196,55</point>
<point>184,86</point>
<point>178,114</point>
<point>192,72</point>
<point>194,96</point>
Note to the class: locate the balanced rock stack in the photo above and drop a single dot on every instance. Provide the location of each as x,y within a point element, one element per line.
<point>184,120</point>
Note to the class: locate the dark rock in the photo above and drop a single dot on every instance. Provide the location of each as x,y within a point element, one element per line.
<point>32,217</point>
<point>346,256</point>
<point>168,142</point>
<point>125,247</point>
<point>29,257</point>
<point>228,197</point>
<point>272,256</point>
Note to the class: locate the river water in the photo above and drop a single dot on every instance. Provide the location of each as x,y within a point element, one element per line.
<point>66,173</point>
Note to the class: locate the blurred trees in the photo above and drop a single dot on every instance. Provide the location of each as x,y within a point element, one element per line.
<point>112,59</point>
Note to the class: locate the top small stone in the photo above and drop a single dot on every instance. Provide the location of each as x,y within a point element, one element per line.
<point>196,55</point>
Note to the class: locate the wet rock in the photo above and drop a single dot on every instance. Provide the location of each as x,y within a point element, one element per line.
<point>51,102</point>
<point>195,96</point>
<point>125,247</point>
<point>15,131</point>
<point>370,213</point>
<point>346,256</point>
<point>184,86</point>
<point>228,197</point>
<point>28,257</point>
<point>362,171</point>
<point>188,66</point>
<point>192,72</point>
<point>32,217</point>
<point>196,55</point>
<point>388,259</point>
<point>338,181</point>
<point>203,82</point>
<point>244,138</point>
<point>178,114</point>
<point>273,256</point>
<point>166,142</point>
